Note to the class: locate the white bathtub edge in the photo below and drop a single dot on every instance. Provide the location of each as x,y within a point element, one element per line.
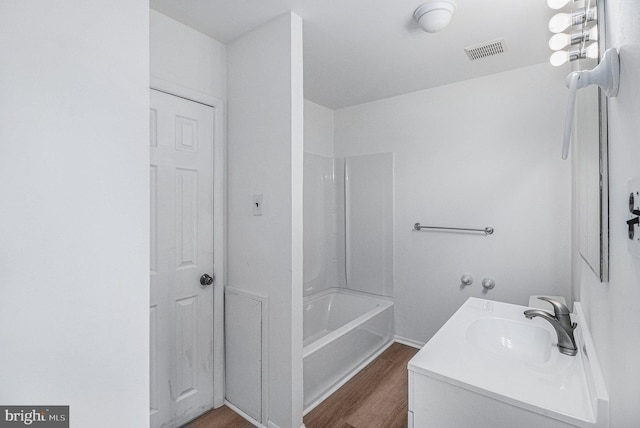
<point>342,290</point>
<point>383,304</point>
<point>347,378</point>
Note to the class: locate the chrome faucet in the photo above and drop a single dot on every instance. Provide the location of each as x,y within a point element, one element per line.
<point>561,322</point>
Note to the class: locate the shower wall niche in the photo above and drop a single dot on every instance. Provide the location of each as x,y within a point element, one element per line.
<point>348,223</point>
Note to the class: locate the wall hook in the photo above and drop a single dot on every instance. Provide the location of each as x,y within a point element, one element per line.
<point>635,220</point>
<point>606,75</point>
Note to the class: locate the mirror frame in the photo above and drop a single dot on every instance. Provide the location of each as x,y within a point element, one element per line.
<point>604,155</point>
<point>600,267</point>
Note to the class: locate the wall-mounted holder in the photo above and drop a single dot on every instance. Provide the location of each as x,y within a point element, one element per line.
<point>487,230</point>
<point>633,222</point>
<point>466,280</point>
<point>606,75</point>
<point>488,284</point>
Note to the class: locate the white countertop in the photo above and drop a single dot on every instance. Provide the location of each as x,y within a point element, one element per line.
<point>544,381</point>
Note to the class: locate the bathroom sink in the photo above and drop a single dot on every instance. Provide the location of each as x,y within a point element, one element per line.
<point>505,370</point>
<point>511,339</point>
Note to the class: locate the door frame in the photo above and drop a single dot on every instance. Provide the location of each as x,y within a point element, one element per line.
<point>219,222</point>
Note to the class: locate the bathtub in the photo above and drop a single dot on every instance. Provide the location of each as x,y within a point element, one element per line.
<point>343,331</point>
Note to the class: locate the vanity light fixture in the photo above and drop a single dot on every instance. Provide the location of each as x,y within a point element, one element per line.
<point>606,75</point>
<point>562,40</point>
<point>583,43</point>
<point>560,57</point>
<point>434,15</point>
<point>582,38</point>
<point>561,21</point>
<point>559,4</point>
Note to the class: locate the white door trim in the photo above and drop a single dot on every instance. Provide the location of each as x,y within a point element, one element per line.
<point>219,223</point>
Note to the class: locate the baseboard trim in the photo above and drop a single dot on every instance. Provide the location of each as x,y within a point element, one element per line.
<point>409,342</point>
<point>247,417</point>
<point>399,339</point>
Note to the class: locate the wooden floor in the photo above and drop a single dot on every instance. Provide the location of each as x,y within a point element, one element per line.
<point>220,417</point>
<point>375,398</point>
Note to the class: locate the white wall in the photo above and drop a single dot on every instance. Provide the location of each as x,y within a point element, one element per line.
<point>265,156</point>
<point>185,57</point>
<point>612,308</point>
<point>74,185</point>
<point>483,152</point>
<point>318,129</point>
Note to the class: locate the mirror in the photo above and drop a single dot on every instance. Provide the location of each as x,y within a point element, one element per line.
<point>591,166</point>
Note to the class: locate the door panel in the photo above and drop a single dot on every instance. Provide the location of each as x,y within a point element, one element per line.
<point>244,349</point>
<point>181,179</point>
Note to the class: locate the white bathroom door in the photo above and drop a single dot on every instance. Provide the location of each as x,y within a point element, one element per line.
<point>181,328</point>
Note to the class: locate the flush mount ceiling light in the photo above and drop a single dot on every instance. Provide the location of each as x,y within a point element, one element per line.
<point>433,16</point>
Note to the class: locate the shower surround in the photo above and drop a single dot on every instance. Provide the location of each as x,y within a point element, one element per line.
<point>348,268</point>
<point>348,223</point>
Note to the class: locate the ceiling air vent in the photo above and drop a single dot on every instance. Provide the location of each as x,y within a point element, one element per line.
<point>482,50</point>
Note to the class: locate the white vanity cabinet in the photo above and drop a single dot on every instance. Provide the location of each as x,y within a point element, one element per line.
<point>434,403</point>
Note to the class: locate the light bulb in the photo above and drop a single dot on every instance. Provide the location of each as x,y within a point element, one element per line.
<point>559,41</point>
<point>562,40</point>
<point>561,21</point>
<point>591,51</point>
<point>560,57</point>
<point>557,4</point>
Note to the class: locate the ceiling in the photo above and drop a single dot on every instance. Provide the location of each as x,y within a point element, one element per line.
<point>356,51</point>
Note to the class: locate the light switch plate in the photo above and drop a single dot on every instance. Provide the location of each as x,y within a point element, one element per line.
<point>257,204</point>
<point>633,243</point>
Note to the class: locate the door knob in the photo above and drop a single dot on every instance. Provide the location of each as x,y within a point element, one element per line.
<point>206,280</point>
